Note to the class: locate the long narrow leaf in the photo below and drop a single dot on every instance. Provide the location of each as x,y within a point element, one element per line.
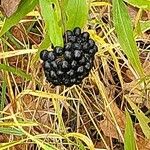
<point>124,31</point>
<point>52,16</point>
<point>24,7</point>
<point>15,71</point>
<point>143,120</point>
<point>129,134</point>
<point>76,13</point>
<point>144,4</point>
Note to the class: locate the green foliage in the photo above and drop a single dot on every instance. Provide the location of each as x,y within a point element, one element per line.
<point>52,16</point>
<point>15,71</point>
<point>143,120</point>
<point>124,31</point>
<point>76,13</point>
<point>129,134</point>
<point>12,131</point>
<point>2,98</point>
<point>25,7</point>
<point>144,4</point>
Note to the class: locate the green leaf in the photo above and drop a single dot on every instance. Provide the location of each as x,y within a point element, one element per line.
<point>144,4</point>
<point>12,131</point>
<point>52,16</point>
<point>129,143</point>
<point>124,32</point>
<point>143,27</point>
<point>24,7</point>
<point>15,71</point>
<point>4,146</point>
<point>143,120</point>
<point>2,98</point>
<point>76,13</point>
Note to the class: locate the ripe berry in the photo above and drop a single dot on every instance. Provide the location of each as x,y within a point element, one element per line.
<point>82,60</point>
<point>53,64</point>
<point>73,80</point>
<point>87,66</point>
<point>65,65</point>
<point>47,65</point>
<point>70,64</point>
<point>67,46</point>
<point>80,70</point>
<point>77,31</point>
<point>85,35</point>
<point>67,55</point>
<point>85,46</point>
<point>77,54</point>
<point>60,73</point>
<point>51,56</point>
<point>58,50</point>
<point>43,55</point>
<point>71,38</point>
<point>74,64</point>
<point>68,33</point>
<point>52,74</point>
<point>91,43</point>
<point>76,46</point>
<point>71,72</point>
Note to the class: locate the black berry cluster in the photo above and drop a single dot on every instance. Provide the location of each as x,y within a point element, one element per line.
<point>68,65</point>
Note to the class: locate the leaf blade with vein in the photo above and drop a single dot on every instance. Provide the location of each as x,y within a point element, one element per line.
<point>15,71</point>
<point>124,32</point>
<point>24,7</point>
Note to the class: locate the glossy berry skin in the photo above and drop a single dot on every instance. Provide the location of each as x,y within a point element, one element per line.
<point>51,56</point>
<point>70,64</point>
<point>77,54</point>
<point>85,35</point>
<point>58,50</point>
<point>77,31</point>
<point>67,55</point>
<point>44,55</point>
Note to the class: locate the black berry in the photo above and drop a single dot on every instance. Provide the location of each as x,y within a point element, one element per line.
<point>70,64</point>
<point>44,55</point>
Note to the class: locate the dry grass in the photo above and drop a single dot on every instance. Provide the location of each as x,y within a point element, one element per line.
<point>93,113</point>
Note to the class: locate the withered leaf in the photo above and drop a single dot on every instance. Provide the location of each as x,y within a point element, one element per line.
<point>8,7</point>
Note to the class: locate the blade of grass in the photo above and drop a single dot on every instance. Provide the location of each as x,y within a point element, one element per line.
<point>124,31</point>
<point>129,140</point>
<point>15,71</point>
<point>41,94</point>
<point>12,131</point>
<point>4,146</point>
<point>83,138</point>
<point>144,4</point>
<point>17,53</point>
<point>2,98</point>
<point>24,7</point>
<point>143,120</point>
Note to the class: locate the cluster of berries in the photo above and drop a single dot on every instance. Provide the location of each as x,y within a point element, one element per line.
<point>70,64</point>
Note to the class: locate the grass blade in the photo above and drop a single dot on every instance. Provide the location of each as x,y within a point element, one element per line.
<point>124,31</point>
<point>143,120</point>
<point>15,71</point>
<point>12,131</point>
<point>24,7</point>
<point>144,4</point>
<point>2,98</point>
<point>83,138</point>
<point>129,134</point>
